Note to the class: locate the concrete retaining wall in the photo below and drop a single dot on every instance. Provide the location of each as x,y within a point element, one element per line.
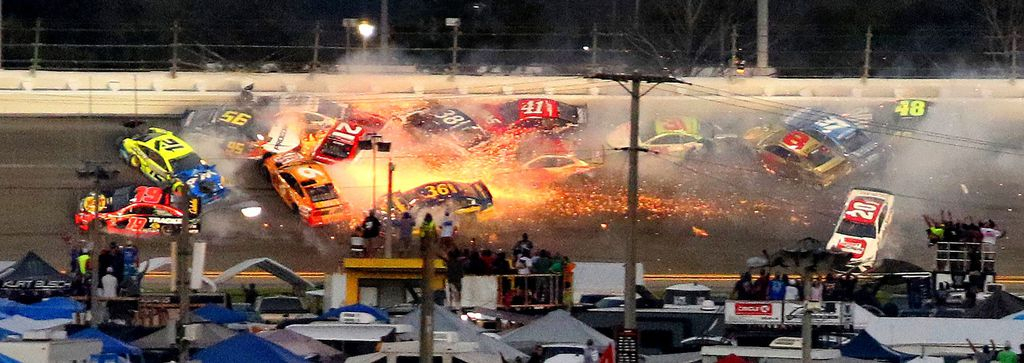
<point>156,93</point>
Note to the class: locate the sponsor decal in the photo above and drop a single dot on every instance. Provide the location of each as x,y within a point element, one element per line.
<point>756,309</point>
<point>164,220</point>
<point>854,246</point>
<point>37,284</point>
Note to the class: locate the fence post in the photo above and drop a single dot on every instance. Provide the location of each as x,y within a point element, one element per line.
<point>316,49</point>
<point>175,30</point>
<point>455,50</point>
<point>734,57</point>
<point>593,47</point>
<point>867,56</point>
<point>1013,57</point>
<point>35,46</point>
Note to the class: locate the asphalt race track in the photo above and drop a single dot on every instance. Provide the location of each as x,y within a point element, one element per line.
<point>965,157</point>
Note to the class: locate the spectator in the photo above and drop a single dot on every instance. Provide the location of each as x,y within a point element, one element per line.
<point>792,292</point>
<point>117,261</point>
<point>936,231</point>
<point>1020,357</point>
<point>542,264</point>
<point>83,262</point>
<point>455,272</point>
<point>250,294</point>
<point>537,355</point>
<point>557,264</point>
<point>989,233</point>
<point>984,356</point>
<point>776,289</point>
<point>405,226</point>
<point>743,288</point>
<point>523,246</point>
<point>487,257</point>
<point>589,352</point>
<point>108,284</point>
<point>474,264</point>
<point>816,289</point>
<point>447,231</point>
<point>501,265</point>
<point>371,229</point>
<point>106,259</point>
<point>357,243</point>
<point>523,264</point>
<point>428,230</point>
<point>1006,355</point>
<point>761,286</point>
<point>829,288</point>
<point>847,286</point>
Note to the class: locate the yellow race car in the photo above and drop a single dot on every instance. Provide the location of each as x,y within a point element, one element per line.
<point>167,159</point>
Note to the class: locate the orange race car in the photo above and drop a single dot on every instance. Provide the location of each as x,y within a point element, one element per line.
<point>305,187</point>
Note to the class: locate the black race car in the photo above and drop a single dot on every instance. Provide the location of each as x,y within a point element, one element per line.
<point>447,122</point>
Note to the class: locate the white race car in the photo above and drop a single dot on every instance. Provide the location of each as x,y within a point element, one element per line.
<point>861,228</point>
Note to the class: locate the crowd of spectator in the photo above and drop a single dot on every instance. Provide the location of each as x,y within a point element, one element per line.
<point>830,287</point>
<point>974,240</point>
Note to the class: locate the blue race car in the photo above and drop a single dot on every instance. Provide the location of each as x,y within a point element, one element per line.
<point>167,159</point>
<point>839,133</point>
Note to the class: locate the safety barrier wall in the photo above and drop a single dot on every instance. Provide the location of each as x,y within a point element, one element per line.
<point>157,93</point>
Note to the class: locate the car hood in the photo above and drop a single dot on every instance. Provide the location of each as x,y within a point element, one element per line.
<point>863,250</point>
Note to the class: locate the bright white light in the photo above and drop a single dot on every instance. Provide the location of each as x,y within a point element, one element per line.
<point>366,30</point>
<point>252,212</point>
<point>586,48</point>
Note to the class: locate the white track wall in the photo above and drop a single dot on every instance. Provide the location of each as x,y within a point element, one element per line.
<point>157,93</point>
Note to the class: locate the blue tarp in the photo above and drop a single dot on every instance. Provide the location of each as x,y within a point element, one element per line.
<point>52,308</point>
<point>864,346</point>
<point>9,307</point>
<point>220,315</point>
<point>356,308</point>
<point>247,348</point>
<point>5,333</point>
<point>110,344</point>
<point>6,359</point>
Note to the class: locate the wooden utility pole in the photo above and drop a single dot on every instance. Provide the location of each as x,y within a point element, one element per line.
<point>867,56</point>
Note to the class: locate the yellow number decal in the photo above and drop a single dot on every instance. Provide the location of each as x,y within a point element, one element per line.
<point>440,189</point>
<point>235,117</point>
<point>235,147</point>
<point>911,108</point>
<point>431,191</point>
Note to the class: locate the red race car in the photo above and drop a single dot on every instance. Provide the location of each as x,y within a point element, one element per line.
<point>339,143</point>
<point>133,211</point>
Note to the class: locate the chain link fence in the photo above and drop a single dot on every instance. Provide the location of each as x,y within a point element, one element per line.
<point>314,47</point>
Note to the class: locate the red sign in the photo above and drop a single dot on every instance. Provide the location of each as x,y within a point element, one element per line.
<point>856,246</point>
<point>749,309</point>
<point>796,140</point>
<point>863,211</point>
<point>537,108</point>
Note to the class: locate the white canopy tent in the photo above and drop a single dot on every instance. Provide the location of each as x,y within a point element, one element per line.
<point>273,267</point>
<point>943,336</point>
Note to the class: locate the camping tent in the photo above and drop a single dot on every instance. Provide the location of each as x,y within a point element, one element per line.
<point>302,345</point>
<point>910,334</point>
<point>20,324</point>
<point>33,277</point>
<point>996,306</point>
<point>379,314</point>
<point>209,334</point>
<point>555,327</point>
<point>445,321</point>
<point>220,314</point>
<point>864,346</point>
<point>110,344</point>
<point>51,308</point>
<point>247,348</point>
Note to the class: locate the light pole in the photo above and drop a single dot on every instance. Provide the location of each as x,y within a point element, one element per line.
<point>391,209</point>
<point>96,172</point>
<point>454,23</point>
<point>349,24</point>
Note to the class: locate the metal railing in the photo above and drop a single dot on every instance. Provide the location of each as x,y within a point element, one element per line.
<point>530,291</point>
<point>956,256</point>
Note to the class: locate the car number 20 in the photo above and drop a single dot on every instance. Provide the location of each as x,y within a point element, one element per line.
<point>862,210</point>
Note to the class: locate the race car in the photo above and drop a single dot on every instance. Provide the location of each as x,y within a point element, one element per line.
<point>238,130</point>
<point>796,155</point>
<point>337,144</point>
<point>548,169</point>
<point>451,123</point>
<point>676,144</point>
<point>165,158</point>
<point>297,129</point>
<point>814,146</point>
<point>542,113</point>
<point>306,188</point>
<point>861,228</point>
<point>459,197</point>
<point>142,211</point>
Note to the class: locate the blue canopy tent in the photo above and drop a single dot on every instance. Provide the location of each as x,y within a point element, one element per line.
<point>110,344</point>
<point>52,308</point>
<point>864,346</point>
<point>247,348</point>
<point>6,359</point>
<point>220,315</point>
<point>356,308</point>
<point>9,307</point>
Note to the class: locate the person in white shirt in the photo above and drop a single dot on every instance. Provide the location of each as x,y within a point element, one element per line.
<point>109,284</point>
<point>989,233</point>
<point>792,293</point>
<point>447,231</point>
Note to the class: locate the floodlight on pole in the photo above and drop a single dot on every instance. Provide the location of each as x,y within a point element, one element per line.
<point>365,30</point>
<point>251,211</point>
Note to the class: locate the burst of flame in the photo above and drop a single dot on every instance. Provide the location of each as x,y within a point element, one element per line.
<point>699,232</point>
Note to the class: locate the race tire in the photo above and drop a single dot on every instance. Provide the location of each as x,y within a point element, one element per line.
<point>134,161</point>
<point>178,187</point>
<point>294,208</point>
